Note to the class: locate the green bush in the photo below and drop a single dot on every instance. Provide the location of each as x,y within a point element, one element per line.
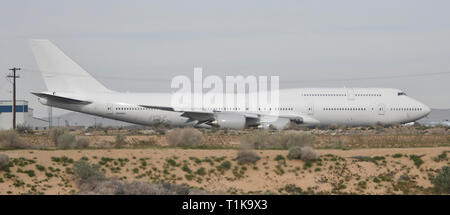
<point>279,158</point>
<point>417,160</point>
<point>184,137</point>
<point>201,171</point>
<point>171,162</point>
<point>4,162</point>
<point>226,165</point>
<point>40,168</point>
<point>442,181</point>
<point>186,168</point>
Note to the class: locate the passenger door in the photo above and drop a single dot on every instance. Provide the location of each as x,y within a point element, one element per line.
<point>350,94</point>
<point>109,109</point>
<point>310,108</point>
<point>381,109</point>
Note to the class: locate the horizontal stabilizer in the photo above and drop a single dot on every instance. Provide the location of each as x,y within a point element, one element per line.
<point>61,99</point>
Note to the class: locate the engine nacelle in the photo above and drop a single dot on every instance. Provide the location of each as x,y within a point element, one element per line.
<point>43,101</point>
<point>230,120</point>
<point>280,123</point>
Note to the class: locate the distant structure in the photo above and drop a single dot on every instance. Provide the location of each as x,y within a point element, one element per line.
<point>437,117</point>
<point>24,116</point>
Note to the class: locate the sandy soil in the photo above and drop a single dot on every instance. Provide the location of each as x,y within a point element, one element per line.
<point>337,172</point>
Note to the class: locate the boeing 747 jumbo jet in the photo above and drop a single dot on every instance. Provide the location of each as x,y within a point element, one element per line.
<point>72,88</point>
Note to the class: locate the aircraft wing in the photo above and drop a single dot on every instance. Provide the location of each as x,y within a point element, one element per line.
<point>203,116</point>
<point>192,115</point>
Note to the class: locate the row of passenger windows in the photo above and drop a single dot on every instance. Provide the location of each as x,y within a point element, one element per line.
<point>282,109</point>
<point>332,94</point>
<point>226,109</point>
<point>406,109</point>
<point>373,95</point>
<point>238,109</point>
<point>321,94</point>
<point>345,109</point>
<point>363,109</point>
<point>121,108</point>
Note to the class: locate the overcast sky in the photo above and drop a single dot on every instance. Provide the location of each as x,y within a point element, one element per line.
<point>140,45</point>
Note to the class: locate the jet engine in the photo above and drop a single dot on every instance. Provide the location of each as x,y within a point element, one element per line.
<point>43,101</point>
<point>229,120</point>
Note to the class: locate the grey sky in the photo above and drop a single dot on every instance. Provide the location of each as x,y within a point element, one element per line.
<point>141,45</point>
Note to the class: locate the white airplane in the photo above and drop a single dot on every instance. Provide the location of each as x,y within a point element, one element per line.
<point>72,88</point>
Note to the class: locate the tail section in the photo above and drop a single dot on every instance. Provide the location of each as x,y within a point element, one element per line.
<point>60,73</point>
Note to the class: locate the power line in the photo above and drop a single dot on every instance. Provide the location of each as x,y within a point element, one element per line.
<point>14,76</point>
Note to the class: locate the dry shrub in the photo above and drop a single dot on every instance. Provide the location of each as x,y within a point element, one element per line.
<point>150,141</point>
<point>282,140</point>
<point>305,153</point>
<point>11,140</point>
<point>55,132</point>
<point>438,131</point>
<point>92,181</point>
<point>24,129</point>
<point>82,143</point>
<point>246,156</point>
<point>184,137</point>
<point>66,141</point>
<point>288,140</point>
<point>295,153</point>
<point>105,145</point>
<point>120,141</point>
<point>308,154</point>
<point>62,138</point>
<point>4,162</point>
<point>116,187</point>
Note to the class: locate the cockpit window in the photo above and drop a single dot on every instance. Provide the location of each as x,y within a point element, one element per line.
<point>402,94</point>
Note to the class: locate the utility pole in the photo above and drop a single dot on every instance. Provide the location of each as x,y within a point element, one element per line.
<point>14,76</point>
<point>50,117</point>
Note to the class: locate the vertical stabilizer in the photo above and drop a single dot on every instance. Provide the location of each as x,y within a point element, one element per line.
<point>60,73</point>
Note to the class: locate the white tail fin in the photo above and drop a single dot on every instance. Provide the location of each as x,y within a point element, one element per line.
<point>60,73</point>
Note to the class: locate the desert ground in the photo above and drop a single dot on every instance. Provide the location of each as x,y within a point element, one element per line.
<point>349,161</point>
